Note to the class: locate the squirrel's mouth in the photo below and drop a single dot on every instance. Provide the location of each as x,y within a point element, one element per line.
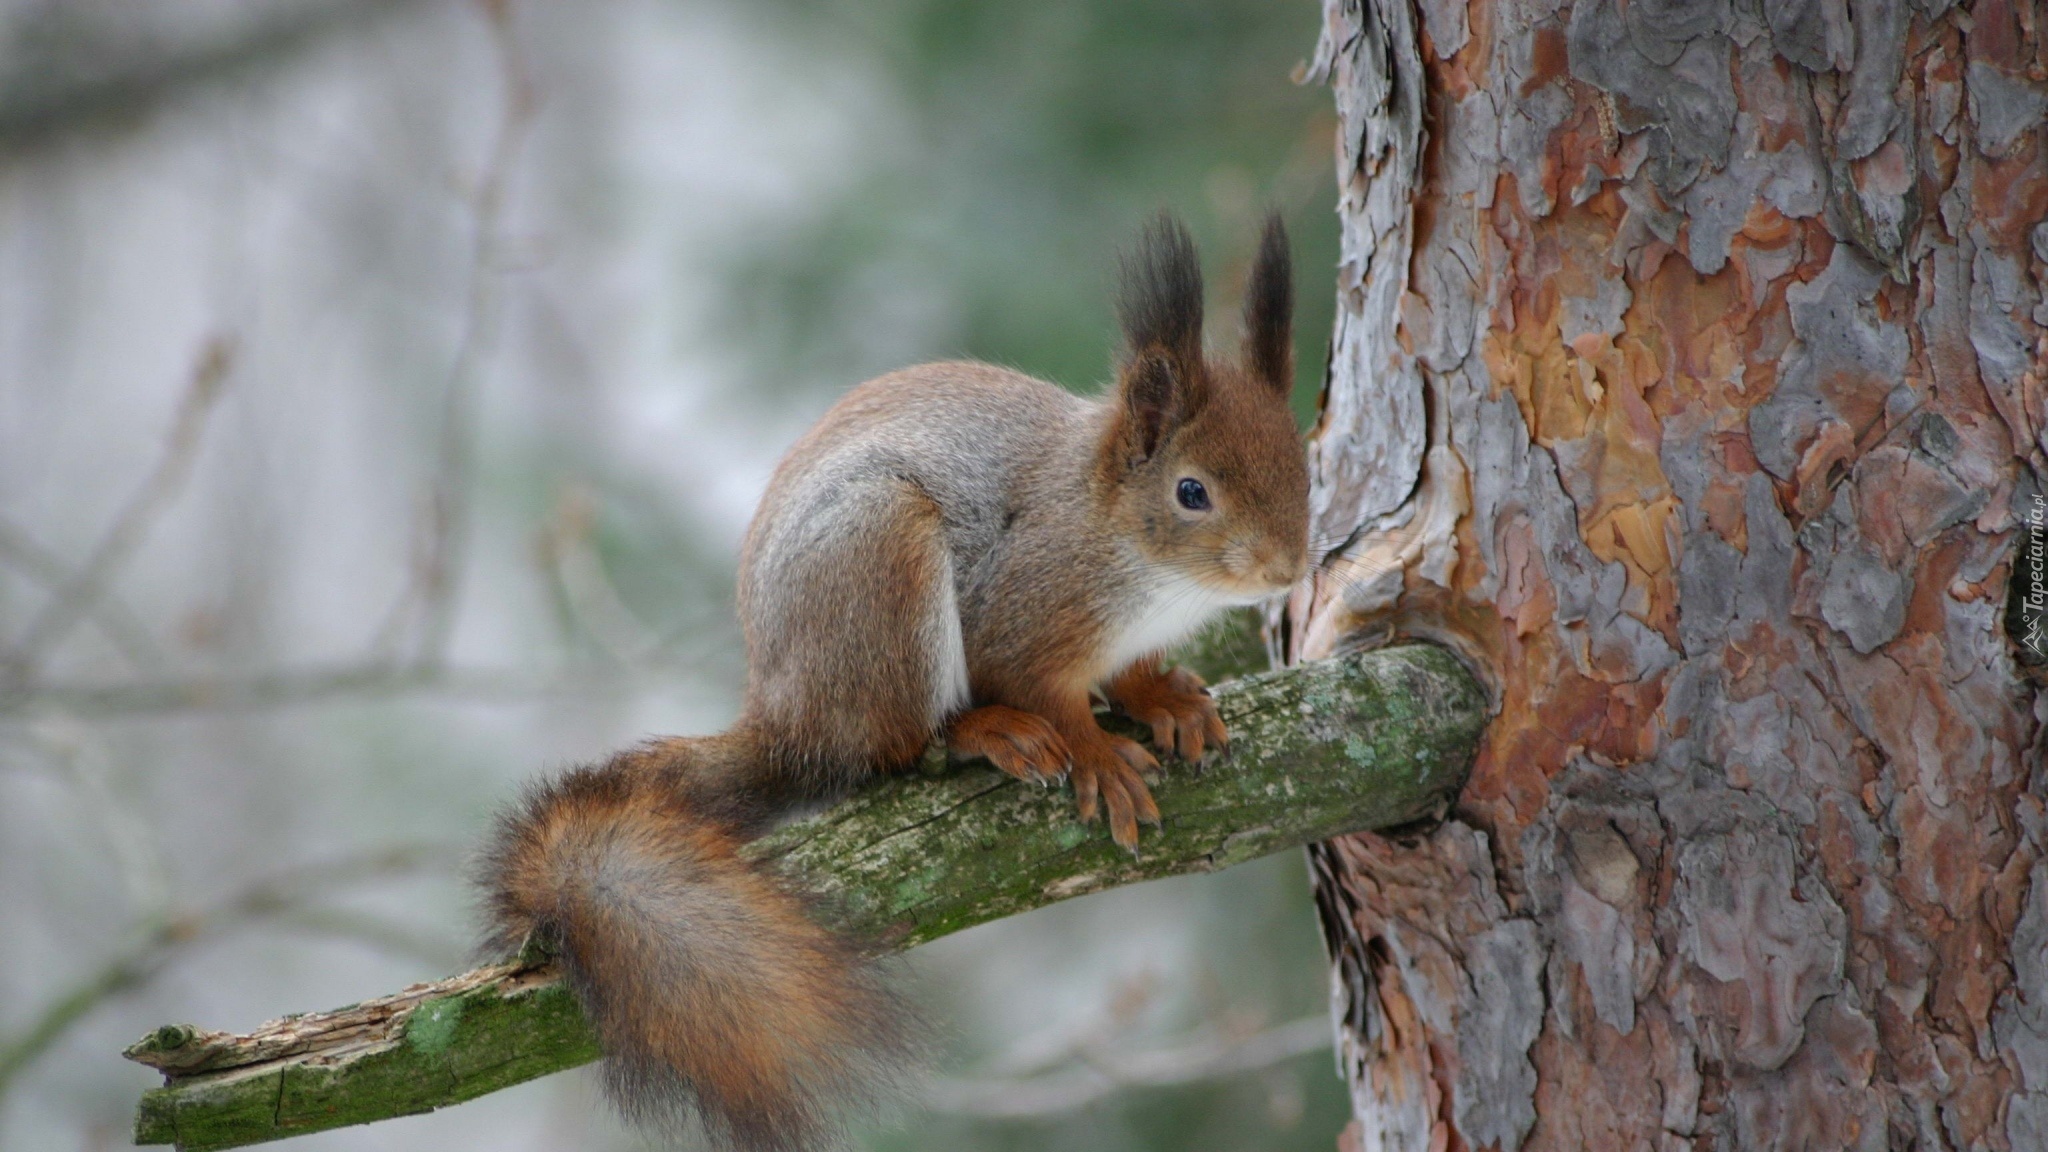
<point>1243,591</point>
<point>1256,580</point>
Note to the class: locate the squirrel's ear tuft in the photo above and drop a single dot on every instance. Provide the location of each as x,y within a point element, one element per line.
<point>1269,311</point>
<point>1148,392</point>
<point>1161,302</point>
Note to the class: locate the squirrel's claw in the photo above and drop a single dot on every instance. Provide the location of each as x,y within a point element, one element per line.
<point>1175,704</point>
<point>1123,816</point>
<point>1086,790</point>
<point>1109,771</point>
<point>1133,754</point>
<point>1213,724</point>
<point>1022,744</point>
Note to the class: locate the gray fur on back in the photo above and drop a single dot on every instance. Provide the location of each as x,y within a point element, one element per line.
<point>1005,459</point>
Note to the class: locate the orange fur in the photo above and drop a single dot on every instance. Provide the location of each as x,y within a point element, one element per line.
<point>1173,702</point>
<point>709,984</point>
<point>1020,743</point>
<point>953,548</point>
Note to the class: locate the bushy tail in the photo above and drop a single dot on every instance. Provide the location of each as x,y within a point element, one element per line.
<point>710,986</point>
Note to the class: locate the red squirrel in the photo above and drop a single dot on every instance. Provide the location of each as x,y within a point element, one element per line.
<point>954,549</point>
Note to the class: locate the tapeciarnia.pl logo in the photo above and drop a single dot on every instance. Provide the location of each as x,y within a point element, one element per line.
<point>2034,600</point>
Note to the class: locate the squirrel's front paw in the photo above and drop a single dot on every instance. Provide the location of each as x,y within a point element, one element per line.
<point>1018,742</point>
<point>1174,703</point>
<point>1114,769</point>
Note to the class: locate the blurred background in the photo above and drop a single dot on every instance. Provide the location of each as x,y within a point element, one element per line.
<point>384,388</point>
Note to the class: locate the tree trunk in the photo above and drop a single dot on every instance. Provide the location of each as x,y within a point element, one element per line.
<point>1687,380</point>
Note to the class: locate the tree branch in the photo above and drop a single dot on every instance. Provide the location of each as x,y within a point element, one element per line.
<point>1364,741</point>
<point>1230,647</point>
<point>116,620</point>
<point>70,603</point>
<point>285,895</point>
<point>316,685</point>
<point>68,75</point>
<point>441,543</point>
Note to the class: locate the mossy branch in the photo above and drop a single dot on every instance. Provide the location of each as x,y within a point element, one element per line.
<point>1361,742</point>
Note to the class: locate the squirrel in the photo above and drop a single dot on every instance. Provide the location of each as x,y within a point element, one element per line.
<point>955,549</point>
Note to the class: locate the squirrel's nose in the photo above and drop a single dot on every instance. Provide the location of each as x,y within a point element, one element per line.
<point>1283,571</point>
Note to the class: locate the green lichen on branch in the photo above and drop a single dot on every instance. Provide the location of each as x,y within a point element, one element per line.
<point>1360,742</point>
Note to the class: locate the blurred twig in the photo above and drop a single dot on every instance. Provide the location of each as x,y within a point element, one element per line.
<point>436,949</point>
<point>1102,1074</point>
<point>131,524</point>
<point>116,620</point>
<point>589,603</point>
<point>130,841</point>
<point>317,685</point>
<point>432,594</point>
<point>285,895</point>
<point>66,77</point>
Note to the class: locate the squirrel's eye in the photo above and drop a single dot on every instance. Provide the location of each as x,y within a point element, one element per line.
<point>1192,495</point>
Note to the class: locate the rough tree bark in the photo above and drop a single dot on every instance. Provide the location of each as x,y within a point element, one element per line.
<point>1688,379</point>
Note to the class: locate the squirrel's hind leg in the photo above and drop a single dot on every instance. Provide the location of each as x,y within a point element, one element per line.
<point>854,647</point>
<point>1107,770</point>
<point>1020,743</point>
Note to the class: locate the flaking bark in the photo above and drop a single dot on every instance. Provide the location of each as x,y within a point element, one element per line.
<point>1728,326</point>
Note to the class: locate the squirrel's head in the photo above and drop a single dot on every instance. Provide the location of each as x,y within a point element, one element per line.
<point>1201,463</point>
